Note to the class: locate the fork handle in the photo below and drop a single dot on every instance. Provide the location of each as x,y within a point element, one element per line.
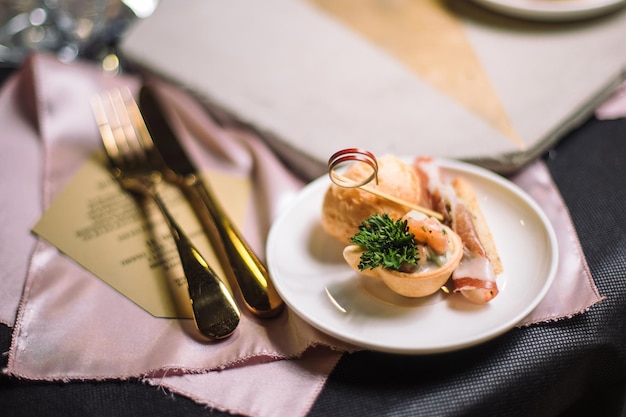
<point>250,275</point>
<point>215,311</point>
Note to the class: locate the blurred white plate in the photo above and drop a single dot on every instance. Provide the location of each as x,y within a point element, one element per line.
<point>310,274</point>
<point>553,9</point>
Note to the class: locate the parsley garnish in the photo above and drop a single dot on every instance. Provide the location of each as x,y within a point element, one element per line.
<point>387,243</point>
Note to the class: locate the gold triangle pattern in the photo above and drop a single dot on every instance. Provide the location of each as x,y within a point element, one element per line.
<point>430,40</point>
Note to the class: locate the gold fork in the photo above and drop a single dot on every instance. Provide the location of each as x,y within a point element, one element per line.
<point>136,164</point>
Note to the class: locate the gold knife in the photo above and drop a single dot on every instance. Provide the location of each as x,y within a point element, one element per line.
<point>240,263</point>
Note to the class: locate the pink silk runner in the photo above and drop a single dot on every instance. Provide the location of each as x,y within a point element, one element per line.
<point>72,326</point>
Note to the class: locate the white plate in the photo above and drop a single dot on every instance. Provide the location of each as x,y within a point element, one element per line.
<point>310,274</point>
<point>553,9</point>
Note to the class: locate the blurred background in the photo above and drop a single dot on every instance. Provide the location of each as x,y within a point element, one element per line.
<point>68,28</point>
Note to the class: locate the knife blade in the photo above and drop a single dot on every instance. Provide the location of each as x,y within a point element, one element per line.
<point>241,265</point>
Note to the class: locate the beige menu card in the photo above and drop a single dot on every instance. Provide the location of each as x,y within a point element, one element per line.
<point>104,229</point>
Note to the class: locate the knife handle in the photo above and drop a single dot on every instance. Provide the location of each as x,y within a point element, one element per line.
<point>249,273</point>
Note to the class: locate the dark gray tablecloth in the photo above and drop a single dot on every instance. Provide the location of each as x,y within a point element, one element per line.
<point>574,367</point>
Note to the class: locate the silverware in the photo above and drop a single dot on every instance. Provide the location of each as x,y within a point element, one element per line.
<point>137,166</point>
<point>249,273</point>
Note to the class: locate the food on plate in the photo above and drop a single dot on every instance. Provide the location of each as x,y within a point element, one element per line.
<point>475,277</point>
<point>343,208</point>
<point>413,253</point>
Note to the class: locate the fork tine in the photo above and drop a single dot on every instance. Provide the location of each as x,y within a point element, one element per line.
<point>126,132</point>
<point>106,131</point>
<point>137,121</point>
<point>122,128</point>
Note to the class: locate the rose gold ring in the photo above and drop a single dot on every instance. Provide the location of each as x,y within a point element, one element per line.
<point>352,155</point>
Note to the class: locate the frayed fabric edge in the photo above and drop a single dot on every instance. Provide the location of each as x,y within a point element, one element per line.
<point>162,384</point>
<point>554,319</point>
<point>163,372</point>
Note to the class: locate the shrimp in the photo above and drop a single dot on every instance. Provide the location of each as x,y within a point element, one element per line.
<point>428,230</point>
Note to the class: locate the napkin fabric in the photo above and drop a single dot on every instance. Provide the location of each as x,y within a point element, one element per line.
<point>71,326</point>
<point>615,106</point>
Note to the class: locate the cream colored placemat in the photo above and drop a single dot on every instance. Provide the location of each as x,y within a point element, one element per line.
<point>406,77</point>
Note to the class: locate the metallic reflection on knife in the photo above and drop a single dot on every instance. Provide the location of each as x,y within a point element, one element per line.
<point>239,262</point>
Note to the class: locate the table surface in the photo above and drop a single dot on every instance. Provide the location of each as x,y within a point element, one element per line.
<point>573,367</point>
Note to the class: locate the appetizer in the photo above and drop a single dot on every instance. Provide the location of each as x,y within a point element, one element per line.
<point>413,253</point>
<point>343,208</point>
<point>475,277</point>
